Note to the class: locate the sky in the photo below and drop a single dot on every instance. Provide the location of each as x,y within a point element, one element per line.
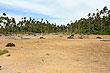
<point>55,11</point>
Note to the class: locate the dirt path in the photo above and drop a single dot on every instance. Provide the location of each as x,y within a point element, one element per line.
<point>56,55</point>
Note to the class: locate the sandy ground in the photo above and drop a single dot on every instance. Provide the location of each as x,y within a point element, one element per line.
<point>56,54</point>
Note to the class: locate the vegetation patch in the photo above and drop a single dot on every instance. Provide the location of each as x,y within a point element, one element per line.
<point>8,55</point>
<point>81,36</point>
<point>96,23</point>
<point>3,52</point>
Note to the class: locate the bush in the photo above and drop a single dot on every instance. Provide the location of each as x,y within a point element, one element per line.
<point>81,36</point>
<point>3,52</point>
<point>9,55</point>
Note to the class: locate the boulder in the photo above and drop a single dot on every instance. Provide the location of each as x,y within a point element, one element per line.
<point>0,67</point>
<point>10,45</point>
<point>70,37</point>
<point>41,38</point>
<point>98,38</point>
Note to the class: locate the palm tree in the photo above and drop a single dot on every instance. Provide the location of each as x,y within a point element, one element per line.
<point>4,14</point>
<point>93,20</point>
<point>67,27</point>
<point>71,26</point>
<point>89,21</point>
<point>104,17</point>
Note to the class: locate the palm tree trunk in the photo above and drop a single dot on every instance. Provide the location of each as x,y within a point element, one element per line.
<point>89,25</point>
<point>93,27</point>
<point>71,29</point>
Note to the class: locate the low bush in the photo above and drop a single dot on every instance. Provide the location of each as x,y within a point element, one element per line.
<point>9,55</point>
<point>3,52</point>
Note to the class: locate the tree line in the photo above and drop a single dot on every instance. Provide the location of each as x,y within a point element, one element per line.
<point>96,23</point>
<point>9,26</point>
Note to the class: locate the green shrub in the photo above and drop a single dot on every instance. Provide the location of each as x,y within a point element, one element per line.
<point>3,52</point>
<point>9,55</point>
<point>81,36</point>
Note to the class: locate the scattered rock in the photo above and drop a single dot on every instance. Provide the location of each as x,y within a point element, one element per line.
<point>70,37</point>
<point>47,54</point>
<point>35,35</point>
<point>0,67</point>
<point>42,60</point>
<point>10,45</point>
<point>96,61</point>
<point>41,38</point>
<point>98,38</point>
<point>19,36</point>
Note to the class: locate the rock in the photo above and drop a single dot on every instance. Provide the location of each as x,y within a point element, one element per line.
<point>42,60</point>
<point>98,38</point>
<point>0,67</point>
<point>10,45</point>
<point>70,37</point>
<point>19,36</point>
<point>41,38</point>
<point>35,35</point>
<point>47,54</point>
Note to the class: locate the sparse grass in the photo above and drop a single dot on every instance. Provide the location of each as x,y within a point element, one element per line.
<point>3,52</point>
<point>81,36</point>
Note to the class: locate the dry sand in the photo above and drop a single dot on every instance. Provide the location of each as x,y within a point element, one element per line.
<point>56,54</point>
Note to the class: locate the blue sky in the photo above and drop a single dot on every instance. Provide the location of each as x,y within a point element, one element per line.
<point>56,11</point>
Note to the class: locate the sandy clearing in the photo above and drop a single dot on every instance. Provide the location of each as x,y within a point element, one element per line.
<point>56,55</point>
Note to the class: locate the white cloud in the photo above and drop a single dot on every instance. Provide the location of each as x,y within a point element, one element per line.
<point>64,9</point>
